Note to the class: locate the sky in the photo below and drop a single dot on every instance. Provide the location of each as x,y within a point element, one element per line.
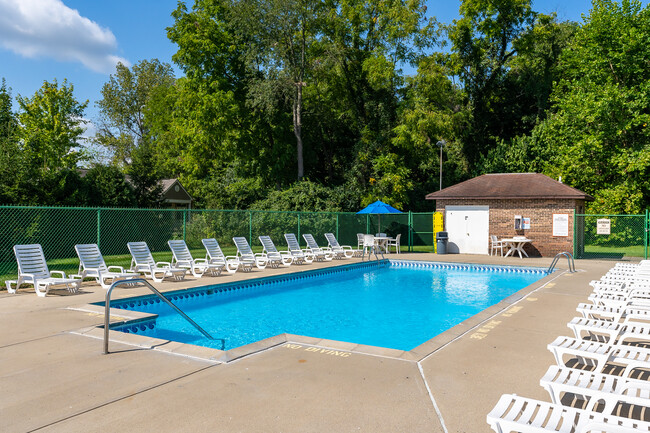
<point>82,40</point>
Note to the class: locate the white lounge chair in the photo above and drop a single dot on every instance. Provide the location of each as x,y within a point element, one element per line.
<point>596,354</point>
<point>142,262</point>
<point>319,253</point>
<point>197,267</point>
<point>92,265</point>
<point>32,269</point>
<point>625,314</point>
<point>525,415</point>
<point>616,332</point>
<point>275,257</point>
<point>244,252</point>
<point>341,250</point>
<point>215,255</point>
<point>299,255</point>
<point>594,388</point>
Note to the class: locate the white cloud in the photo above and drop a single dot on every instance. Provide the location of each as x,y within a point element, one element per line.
<point>48,28</point>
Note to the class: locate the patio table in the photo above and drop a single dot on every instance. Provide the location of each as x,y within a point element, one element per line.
<point>516,245</point>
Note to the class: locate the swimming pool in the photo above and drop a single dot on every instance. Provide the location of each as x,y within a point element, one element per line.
<point>392,304</point>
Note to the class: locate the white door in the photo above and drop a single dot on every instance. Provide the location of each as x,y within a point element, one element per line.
<point>468,228</point>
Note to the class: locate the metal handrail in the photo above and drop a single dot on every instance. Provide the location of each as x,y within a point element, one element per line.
<point>569,257</point>
<point>162,297</point>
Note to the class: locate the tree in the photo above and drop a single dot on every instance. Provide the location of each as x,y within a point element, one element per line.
<point>11,160</point>
<point>482,47</point>
<point>107,187</point>
<point>124,98</point>
<point>51,127</point>
<point>597,136</point>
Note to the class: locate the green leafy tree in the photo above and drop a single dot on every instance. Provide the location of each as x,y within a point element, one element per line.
<point>108,187</point>
<point>51,127</point>
<point>122,126</point>
<point>597,136</point>
<point>12,164</point>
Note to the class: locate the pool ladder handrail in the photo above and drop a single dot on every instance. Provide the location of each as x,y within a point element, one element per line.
<point>569,257</point>
<point>162,297</point>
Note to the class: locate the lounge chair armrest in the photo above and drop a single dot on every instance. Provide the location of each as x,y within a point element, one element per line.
<point>231,257</point>
<point>200,261</point>
<point>119,269</point>
<point>59,272</point>
<point>163,265</point>
<point>260,255</point>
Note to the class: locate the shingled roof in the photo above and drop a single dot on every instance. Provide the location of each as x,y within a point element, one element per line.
<point>510,186</point>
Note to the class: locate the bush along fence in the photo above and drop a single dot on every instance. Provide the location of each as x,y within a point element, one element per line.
<point>59,229</point>
<point>611,236</point>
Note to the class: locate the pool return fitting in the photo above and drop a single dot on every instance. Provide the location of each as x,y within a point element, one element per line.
<point>162,297</point>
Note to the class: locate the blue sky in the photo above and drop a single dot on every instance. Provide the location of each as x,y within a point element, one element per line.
<point>82,40</point>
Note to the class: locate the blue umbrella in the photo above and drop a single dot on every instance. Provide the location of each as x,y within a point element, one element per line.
<point>379,207</point>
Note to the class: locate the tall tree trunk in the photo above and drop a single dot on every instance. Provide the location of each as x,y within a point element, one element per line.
<point>297,127</point>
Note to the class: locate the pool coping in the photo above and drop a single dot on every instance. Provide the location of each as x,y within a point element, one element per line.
<point>120,317</point>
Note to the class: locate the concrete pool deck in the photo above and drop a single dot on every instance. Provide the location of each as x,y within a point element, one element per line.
<point>53,379</point>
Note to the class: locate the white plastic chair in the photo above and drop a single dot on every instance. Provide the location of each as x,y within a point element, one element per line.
<point>341,250</point>
<point>215,255</point>
<point>299,255</point>
<point>495,244</point>
<point>370,245</point>
<point>244,252</point>
<point>395,243</point>
<point>32,269</point>
<point>91,264</point>
<point>318,252</point>
<point>360,241</point>
<point>275,257</point>
<point>183,259</point>
<point>142,262</point>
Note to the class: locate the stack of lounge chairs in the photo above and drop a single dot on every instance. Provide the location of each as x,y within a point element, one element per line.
<point>604,386</point>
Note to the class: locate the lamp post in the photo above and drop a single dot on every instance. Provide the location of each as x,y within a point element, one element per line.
<point>441,144</point>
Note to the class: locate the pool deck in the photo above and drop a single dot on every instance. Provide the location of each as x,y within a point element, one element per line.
<point>54,377</point>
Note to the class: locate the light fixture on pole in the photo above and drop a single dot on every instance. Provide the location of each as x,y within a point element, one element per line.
<point>441,144</point>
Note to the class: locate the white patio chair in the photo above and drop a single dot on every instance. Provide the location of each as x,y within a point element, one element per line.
<point>360,241</point>
<point>495,244</point>
<point>197,267</point>
<point>32,269</point>
<point>625,314</point>
<point>92,265</point>
<point>244,252</point>
<point>395,243</point>
<point>370,245</point>
<point>215,255</point>
<point>142,262</point>
<point>319,253</point>
<point>525,415</point>
<point>274,256</point>
<point>299,255</point>
<point>341,250</point>
<point>615,332</point>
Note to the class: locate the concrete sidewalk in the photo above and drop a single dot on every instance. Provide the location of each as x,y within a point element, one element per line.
<point>53,379</point>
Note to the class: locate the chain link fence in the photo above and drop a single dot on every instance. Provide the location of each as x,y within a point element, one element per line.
<point>58,230</point>
<point>611,236</point>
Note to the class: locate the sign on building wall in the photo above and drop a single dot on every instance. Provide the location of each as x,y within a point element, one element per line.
<point>603,226</point>
<point>526,224</point>
<point>560,224</point>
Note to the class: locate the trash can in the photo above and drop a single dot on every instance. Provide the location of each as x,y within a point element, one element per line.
<point>441,242</point>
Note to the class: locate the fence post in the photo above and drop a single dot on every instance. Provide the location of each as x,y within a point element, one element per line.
<point>99,211</point>
<point>299,213</point>
<point>367,223</point>
<point>184,224</point>
<point>250,227</point>
<point>337,225</point>
<point>645,236</point>
<point>575,230</point>
<point>410,233</point>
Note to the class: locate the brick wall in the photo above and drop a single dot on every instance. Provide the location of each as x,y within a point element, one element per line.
<point>540,212</point>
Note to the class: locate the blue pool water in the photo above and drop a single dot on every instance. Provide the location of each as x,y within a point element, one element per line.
<point>398,305</point>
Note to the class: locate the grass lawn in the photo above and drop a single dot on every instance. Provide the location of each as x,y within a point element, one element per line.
<point>598,251</point>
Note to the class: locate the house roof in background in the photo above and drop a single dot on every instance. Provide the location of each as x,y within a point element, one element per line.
<point>510,186</point>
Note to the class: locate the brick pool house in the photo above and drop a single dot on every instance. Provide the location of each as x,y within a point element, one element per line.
<point>511,204</point>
